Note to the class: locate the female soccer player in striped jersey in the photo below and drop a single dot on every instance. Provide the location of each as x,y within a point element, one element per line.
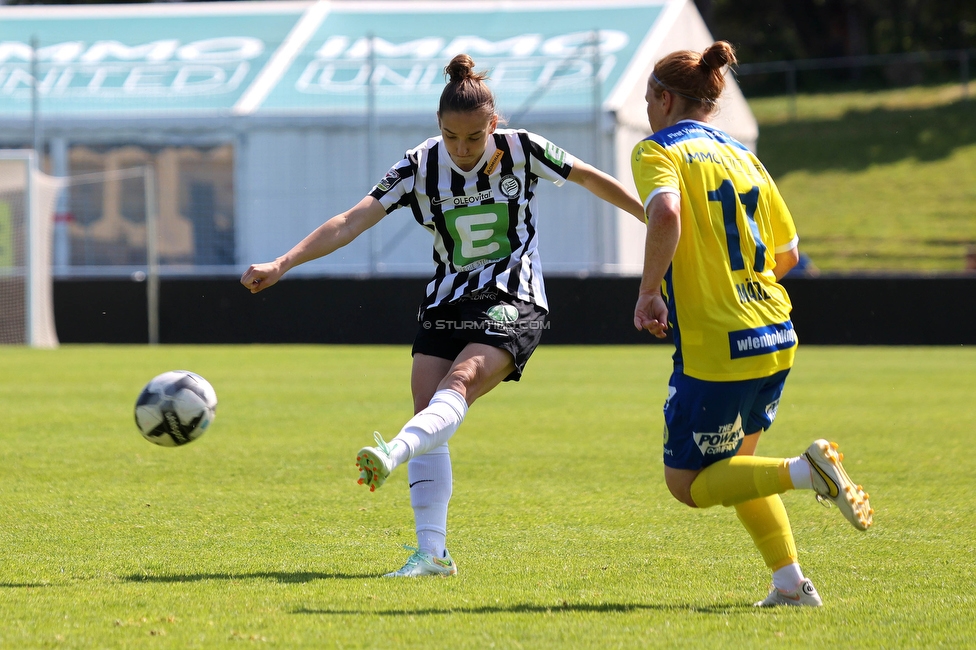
<point>719,239</point>
<point>473,187</point>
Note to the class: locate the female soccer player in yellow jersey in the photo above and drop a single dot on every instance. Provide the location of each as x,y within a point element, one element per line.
<point>719,239</point>
<point>473,187</point>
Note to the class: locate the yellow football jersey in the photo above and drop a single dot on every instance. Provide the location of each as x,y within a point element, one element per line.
<point>729,317</point>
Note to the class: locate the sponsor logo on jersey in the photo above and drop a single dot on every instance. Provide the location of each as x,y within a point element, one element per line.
<point>761,340</point>
<point>731,162</point>
<point>555,154</point>
<point>477,264</point>
<point>480,234</point>
<point>510,186</point>
<point>458,201</point>
<point>389,181</point>
<point>495,159</point>
<point>725,441</point>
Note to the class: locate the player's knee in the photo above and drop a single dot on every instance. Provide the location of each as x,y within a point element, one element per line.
<point>681,490</point>
<point>460,379</point>
<point>467,377</point>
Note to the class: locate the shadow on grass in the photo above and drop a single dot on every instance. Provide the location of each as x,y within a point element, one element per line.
<point>525,608</point>
<point>860,139</point>
<point>302,577</point>
<point>24,585</point>
<point>277,576</point>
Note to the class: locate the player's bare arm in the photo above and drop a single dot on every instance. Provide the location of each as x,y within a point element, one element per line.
<point>606,187</point>
<point>663,231</point>
<point>327,238</point>
<point>785,262</point>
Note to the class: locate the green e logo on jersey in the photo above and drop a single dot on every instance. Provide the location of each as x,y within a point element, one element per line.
<point>480,234</point>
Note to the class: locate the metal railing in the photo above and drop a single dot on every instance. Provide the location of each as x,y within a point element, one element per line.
<point>791,68</point>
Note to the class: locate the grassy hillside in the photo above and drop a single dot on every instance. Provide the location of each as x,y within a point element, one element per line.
<point>881,181</point>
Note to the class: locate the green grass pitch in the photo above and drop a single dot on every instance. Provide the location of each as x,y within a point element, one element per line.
<point>257,535</point>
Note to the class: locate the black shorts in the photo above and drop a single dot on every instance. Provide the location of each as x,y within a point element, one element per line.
<point>499,321</point>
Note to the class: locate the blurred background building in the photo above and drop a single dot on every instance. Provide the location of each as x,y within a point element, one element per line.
<point>262,119</point>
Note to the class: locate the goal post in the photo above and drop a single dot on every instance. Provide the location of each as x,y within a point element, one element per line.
<point>27,205</point>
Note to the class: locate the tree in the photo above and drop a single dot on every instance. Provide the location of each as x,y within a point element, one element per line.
<point>771,30</point>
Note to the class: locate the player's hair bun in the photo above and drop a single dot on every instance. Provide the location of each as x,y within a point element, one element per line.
<point>718,55</point>
<point>461,68</point>
<point>692,76</point>
<point>466,89</point>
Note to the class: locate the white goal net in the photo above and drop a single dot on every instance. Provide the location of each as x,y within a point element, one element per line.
<point>27,203</point>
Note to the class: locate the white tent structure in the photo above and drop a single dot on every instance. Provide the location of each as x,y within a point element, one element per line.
<point>317,99</point>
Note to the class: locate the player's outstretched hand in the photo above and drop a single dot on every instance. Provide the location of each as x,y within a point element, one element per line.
<point>261,276</point>
<point>651,314</point>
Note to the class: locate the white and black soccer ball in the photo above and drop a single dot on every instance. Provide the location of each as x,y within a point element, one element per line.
<point>175,408</point>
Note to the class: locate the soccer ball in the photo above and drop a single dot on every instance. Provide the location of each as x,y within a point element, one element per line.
<point>175,408</point>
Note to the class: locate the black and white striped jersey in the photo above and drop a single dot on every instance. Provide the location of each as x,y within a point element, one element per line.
<point>484,221</point>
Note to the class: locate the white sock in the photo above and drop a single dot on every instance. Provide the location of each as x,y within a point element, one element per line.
<point>788,578</point>
<point>430,428</point>
<point>800,473</point>
<point>431,484</point>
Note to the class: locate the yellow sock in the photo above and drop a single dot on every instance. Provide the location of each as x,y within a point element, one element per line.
<point>769,525</point>
<point>740,478</point>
